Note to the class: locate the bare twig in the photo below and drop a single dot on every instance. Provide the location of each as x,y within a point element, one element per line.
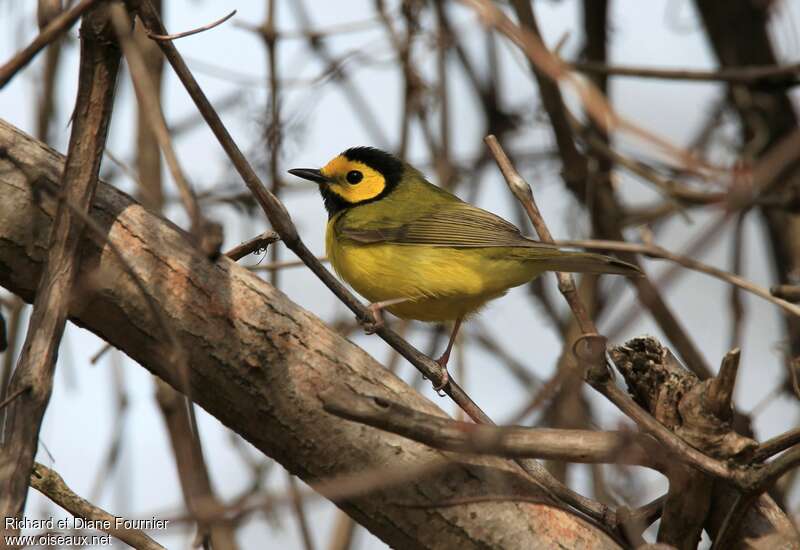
<point>192,471</point>
<point>777,75</point>
<point>147,96</point>
<point>8,400</point>
<point>256,244</point>
<point>554,68</point>
<point>720,389</point>
<point>776,445</point>
<point>175,353</point>
<point>299,512</point>
<point>273,132</point>
<point>283,264</point>
<point>51,485</point>
<point>520,188</point>
<point>581,446</point>
<point>790,293</point>
<point>46,11</point>
<point>99,62</point>
<point>100,353</point>
<point>193,31</point>
<point>48,34</point>
<point>655,251</point>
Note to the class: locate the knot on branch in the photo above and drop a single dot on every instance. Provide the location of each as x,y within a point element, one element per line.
<point>97,27</point>
<point>697,411</point>
<point>655,379</point>
<point>704,430</point>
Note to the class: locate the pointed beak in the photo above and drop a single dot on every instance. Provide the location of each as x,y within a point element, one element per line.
<point>310,174</point>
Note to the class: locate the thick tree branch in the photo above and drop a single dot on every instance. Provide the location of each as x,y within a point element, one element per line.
<point>258,362</point>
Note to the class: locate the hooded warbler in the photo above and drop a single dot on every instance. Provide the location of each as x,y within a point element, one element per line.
<point>422,253</point>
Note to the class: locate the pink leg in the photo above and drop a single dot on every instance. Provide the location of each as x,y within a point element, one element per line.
<point>445,357</point>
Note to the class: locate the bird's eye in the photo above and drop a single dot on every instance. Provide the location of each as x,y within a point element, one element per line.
<point>354,176</point>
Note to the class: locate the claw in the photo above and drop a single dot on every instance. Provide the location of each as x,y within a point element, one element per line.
<point>376,309</point>
<point>377,323</point>
<point>442,362</point>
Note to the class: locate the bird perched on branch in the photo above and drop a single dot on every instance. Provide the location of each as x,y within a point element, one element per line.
<point>422,253</point>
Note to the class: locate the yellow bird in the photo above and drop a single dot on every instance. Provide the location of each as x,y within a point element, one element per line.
<point>422,253</point>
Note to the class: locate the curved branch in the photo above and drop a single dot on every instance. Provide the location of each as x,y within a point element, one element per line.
<point>582,446</point>
<point>51,485</point>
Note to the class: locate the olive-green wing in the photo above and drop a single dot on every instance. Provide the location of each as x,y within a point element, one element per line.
<point>454,225</point>
<point>458,224</point>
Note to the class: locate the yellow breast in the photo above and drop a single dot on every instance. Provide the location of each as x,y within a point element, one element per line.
<point>440,283</point>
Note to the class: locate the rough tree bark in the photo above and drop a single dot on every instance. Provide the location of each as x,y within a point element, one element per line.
<point>33,376</point>
<point>258,362</point>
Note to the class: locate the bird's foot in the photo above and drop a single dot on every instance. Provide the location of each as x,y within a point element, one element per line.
<point>376,309</point>
<point>442,362</point>
<point>377,322</point>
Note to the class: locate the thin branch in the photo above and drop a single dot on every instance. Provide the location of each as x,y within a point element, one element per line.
<point>669,187</point>
<point>51,485</point>
<point>782,75</point>
<point>776,445</point>
<point>581,446</point>
<point>790,293</point>
<point>100,353</point>
<point>176,353</point>
<point>147,96</point>
<point>193,31</point>
<point>299,512</point>
<point>19,391</point>
<point>554,68</point>
<point>719,395</point>
<point>655,251</point>
<point>520,188</point>
<point>599,378</point>
<point>273,133</point>
<point>272,266</point>
<point>777,468</point>
<point>256,244</point>
<point>50,33</point>
<point>99,63</point>
<point>318,32</point>
<point>47,10</point>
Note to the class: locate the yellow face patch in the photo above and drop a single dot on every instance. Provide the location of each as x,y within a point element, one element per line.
<point>353,181</point>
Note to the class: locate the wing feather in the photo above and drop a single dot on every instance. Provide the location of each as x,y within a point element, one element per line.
<point>455,225</point>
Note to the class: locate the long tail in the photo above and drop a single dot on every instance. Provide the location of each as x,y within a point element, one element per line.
<point>584,262</point>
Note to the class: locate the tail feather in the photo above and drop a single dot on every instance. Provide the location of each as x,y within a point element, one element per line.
<point>586,262</point>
